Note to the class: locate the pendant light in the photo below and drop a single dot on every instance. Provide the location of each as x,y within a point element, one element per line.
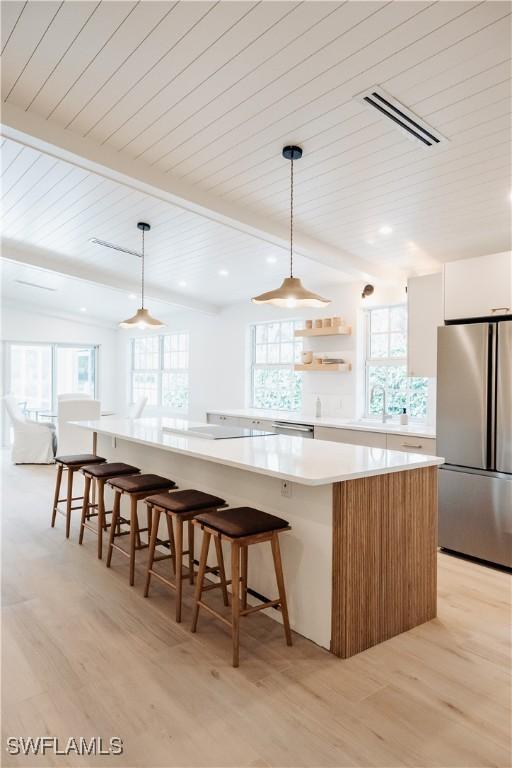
<point>291,293</point>
<point>142,318</point>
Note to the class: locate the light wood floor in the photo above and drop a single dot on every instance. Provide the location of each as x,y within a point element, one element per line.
<point>85,655</point>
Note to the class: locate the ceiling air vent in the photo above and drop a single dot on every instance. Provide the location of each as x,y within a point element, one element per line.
<point>413,126</point>
<point>115,247</point>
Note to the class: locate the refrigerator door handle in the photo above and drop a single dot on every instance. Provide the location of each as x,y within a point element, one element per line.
<point>491,396</point>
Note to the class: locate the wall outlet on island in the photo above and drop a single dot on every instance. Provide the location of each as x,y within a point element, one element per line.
<point>286,489</point>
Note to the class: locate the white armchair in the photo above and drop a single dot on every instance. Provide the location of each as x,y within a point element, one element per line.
<point>73,439</point>
<point>34,442</point>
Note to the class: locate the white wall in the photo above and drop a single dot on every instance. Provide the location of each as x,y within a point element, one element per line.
<point>25,325</point>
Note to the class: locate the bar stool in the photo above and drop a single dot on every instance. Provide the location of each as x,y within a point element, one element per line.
<point>100,473</point>
<point>71,464</point>
<point>180,507</point>
<point>136,487</point>
<point>242,527</point>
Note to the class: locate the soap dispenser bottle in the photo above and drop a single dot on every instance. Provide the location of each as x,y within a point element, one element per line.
<point>318,409</point>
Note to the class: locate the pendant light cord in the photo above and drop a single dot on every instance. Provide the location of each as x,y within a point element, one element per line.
<point>142,277</point>
<point>291,217</point>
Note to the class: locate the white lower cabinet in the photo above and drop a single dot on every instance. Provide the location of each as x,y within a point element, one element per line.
<point>352,436</point>
<point>411,444</point>
<point>392,442</point>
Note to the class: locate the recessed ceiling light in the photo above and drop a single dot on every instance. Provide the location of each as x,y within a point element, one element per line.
<point>182,284</point>
<point>83,309</point>
<point>370,241</point>
<point>132,296</point>
<point>386,230</point>
<point>271,259</point>
<point>223,272</point>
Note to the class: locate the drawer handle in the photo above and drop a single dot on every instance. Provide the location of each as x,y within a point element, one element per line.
<point>412,445</point>
<point>500,309</point>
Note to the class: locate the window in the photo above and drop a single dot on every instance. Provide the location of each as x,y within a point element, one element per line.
<point>386,365</point>
<point>38,373</point>
<point>160,370</point>
<point>275,350</point>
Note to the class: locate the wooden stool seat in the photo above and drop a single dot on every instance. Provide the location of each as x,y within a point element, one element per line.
<point>70,464</point>
<point>100,473</point>
<point>241,521</point>
<point>189,500</point>
<point>142,484</point>
<point>136,487</point>
<point>180,507</point>
<point>241,527</point>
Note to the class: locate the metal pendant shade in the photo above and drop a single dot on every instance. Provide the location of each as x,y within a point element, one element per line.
<point>142,318</point>
<point>291,292</point>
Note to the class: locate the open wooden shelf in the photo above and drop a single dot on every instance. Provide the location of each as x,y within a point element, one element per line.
<point>340,330</point>
<point>339,367</point>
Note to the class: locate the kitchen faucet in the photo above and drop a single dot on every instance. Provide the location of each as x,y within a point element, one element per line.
<point>372,392</point>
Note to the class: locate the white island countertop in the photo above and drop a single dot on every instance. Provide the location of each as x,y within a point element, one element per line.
<point>391,427</point>
<point>307,462</point>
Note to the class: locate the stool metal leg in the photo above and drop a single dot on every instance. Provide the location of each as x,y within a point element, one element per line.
<point>85,507</point>
<point>235,600</point>
<point>276,553</point>
<point>200,577</point>
<point>69,501</point>
<point>152,547</point>
<point>58,481</point>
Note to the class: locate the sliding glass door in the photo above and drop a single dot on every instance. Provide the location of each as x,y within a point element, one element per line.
<point>75,370</point>
<point>31,380</point>
<point>36,374</point>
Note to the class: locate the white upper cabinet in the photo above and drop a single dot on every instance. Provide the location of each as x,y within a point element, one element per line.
<point>425,314</point>
<point>479,287</point>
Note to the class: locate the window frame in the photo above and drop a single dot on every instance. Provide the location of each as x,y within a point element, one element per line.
<point>160,370</point>
<point>385,362</point>
<point>296,341</point>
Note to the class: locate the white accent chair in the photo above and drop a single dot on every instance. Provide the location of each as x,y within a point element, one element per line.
<point>34,442</point>
<point>72,439</point>
<point>73,396</point>
<point>137,408</point>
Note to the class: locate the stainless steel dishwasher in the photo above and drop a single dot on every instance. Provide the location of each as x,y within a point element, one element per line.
<point>295,430</point>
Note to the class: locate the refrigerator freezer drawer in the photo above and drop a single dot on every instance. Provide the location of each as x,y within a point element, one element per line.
<point>475,515</point>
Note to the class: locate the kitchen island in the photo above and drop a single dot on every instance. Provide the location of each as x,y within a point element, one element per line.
<point>360,560</point>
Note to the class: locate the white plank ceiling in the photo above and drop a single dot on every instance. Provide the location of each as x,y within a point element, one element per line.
<point>208,92</point>
<point>55,208</point>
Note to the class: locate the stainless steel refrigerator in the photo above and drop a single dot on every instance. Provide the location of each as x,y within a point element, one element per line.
<point>474,435</point>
